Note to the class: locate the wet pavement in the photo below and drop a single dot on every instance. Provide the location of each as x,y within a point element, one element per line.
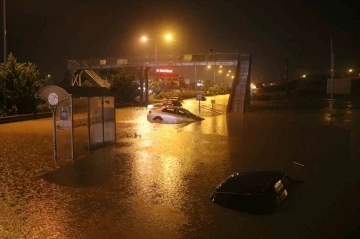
<point>155,182</point>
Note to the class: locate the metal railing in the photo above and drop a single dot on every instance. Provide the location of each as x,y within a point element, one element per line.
<point>161,60</point>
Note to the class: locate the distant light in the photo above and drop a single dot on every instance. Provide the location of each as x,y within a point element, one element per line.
<point>220,66</point>
<point>350,70</point>
<point>49,76</point>
<point>144,38</point>
<point>208,66</point>
<point>220,71</point>
<point>232,77</point>
<point>168,37</point>
<point>303,76</point>
<point>229,71</point>
<point>252,86</point>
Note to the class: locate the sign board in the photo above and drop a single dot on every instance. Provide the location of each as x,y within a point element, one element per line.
<point>198,57</point>
<point>187,57</point>
<point>53,99</point>
<point>164,70</point>
<point>339,86</point>
<point>64,113</point>
<point>122,61</point>
<point>199,96</point>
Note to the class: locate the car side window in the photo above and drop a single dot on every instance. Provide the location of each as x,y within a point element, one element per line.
<point>169,110</point>
<point>181,112</point>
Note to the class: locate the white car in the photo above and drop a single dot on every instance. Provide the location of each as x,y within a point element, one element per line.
<point>172,115</point>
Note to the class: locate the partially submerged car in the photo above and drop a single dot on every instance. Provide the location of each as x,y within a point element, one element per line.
<point>258,192</point>
<point>172,115</point>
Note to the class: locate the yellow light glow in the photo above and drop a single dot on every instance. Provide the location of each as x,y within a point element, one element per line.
<point>350,70</point>
<point>303,76</point>
<point>227,74</point>
<point>232,77</point>
<point>220,66</point>
<point>208,66</point>
<point>229,71</point>
<point>168,37</point>
<point>252,86</point>
<point>220,71</point>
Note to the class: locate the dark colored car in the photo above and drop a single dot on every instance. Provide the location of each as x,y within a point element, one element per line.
<point>258,192</point>
<point>172,103</point>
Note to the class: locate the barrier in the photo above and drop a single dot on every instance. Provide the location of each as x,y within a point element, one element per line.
<point>17,118</point>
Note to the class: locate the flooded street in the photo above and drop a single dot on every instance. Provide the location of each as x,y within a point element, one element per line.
<point>156,181</point>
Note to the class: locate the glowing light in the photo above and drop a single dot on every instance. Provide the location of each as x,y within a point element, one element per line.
<point>168,37</point>
<point>252,86</point>
<point>220,66</point>
<point>144,38</point>
<point>350,70</point>
<point>208,66</point>
<point>220,71</point>
<point>164,70</point>
<point>303,76</point>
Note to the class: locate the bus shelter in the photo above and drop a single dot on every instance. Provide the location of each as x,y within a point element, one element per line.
<point>83,118</point>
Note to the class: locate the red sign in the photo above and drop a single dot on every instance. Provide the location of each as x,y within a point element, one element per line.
<point>164,70</point>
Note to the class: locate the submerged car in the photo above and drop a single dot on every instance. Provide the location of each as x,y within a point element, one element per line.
<point>258,192</point>
<point>172,114</point>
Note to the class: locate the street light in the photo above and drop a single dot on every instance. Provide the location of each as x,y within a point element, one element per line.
<point>303,76</point>
<point>350,70</point>
<point>47,77</point>
<point>167,37</point>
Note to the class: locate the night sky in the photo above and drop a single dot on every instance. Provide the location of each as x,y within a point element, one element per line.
<point>49,32</point>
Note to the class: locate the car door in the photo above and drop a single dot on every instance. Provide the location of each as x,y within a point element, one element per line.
<point>169,115</point>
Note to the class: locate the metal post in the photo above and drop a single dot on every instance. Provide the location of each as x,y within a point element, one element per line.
<point>4,35</point>
<point>72,127</point>
<point>103,119</point>
<point>332,74</point>
<point>54,132</point>
<point>141,84</point>
<point>88,108</point>
<point>146,84</point>
<point>4,28</point>
<point>155,50</point>
<point>195,72</point>
<point>114,123</point>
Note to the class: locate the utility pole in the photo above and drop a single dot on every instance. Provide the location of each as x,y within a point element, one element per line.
<point>331,73</point>
<point>287,75</point>
<point>4,35</point>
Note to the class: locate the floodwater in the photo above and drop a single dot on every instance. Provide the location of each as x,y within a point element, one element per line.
<point>155,182</point>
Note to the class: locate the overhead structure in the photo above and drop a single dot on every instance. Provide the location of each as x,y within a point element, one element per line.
<point>239,96</point>
<point>240,90</point>
<point>83,118</point>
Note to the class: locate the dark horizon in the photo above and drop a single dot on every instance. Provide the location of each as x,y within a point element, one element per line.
<point>49,33</point>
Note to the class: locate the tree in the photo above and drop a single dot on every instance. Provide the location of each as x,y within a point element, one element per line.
<point>124,86</point>
<point>215,90</point>
<point>21,84</point>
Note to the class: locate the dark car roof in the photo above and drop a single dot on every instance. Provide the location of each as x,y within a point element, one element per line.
<point>249,182</point>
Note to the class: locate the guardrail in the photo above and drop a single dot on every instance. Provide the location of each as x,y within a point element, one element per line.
<point>17,118</point>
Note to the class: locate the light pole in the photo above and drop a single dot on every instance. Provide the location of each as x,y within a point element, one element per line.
<point>4,35</point>
<point>144,39</point>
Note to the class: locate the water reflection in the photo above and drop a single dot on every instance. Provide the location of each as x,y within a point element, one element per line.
<point>155,182</point>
